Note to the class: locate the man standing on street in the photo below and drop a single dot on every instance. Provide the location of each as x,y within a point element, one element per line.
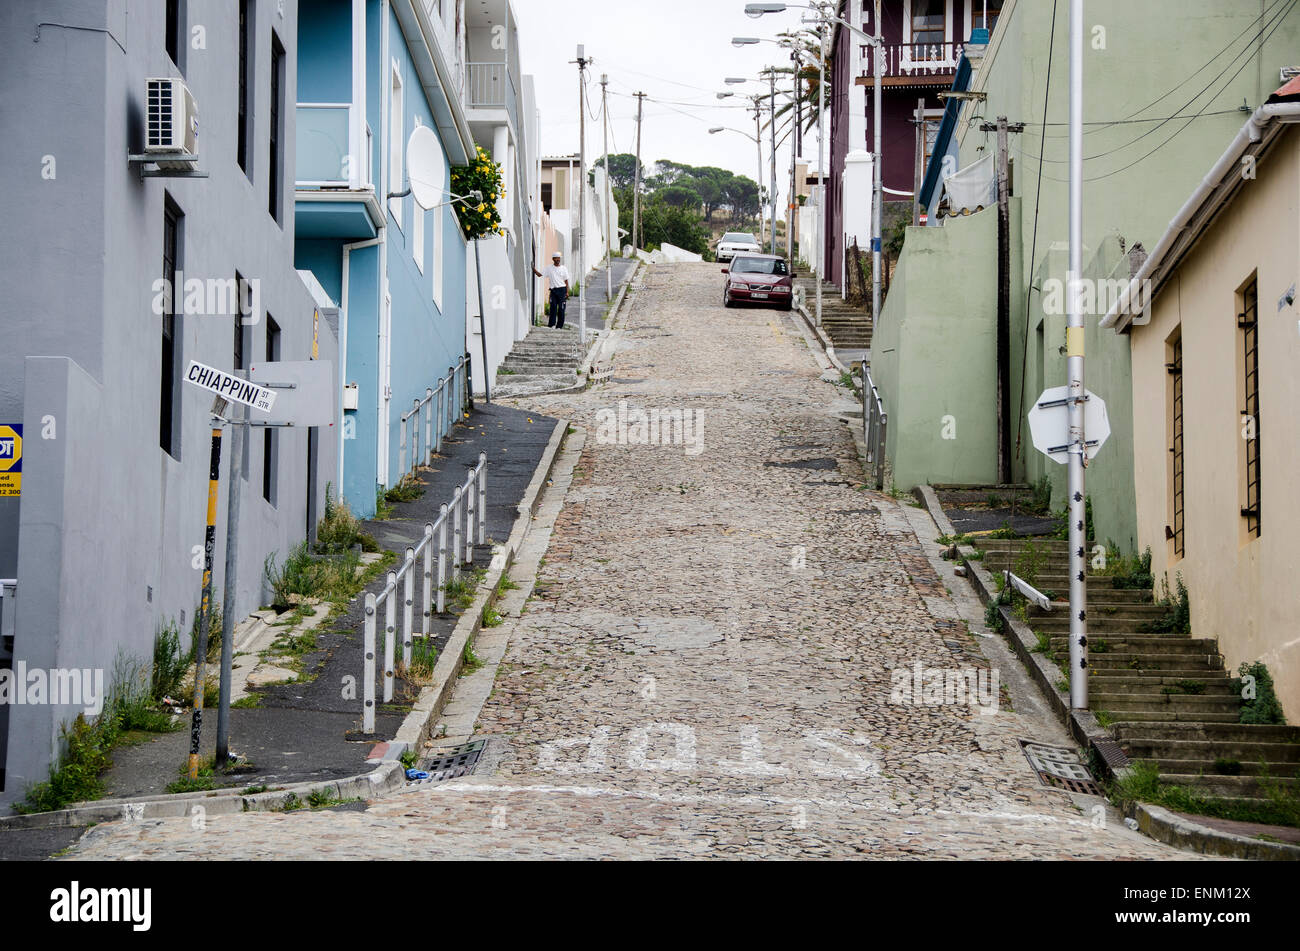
<point>557,280</point>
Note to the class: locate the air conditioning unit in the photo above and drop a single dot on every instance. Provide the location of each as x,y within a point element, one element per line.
<point>172,124</point>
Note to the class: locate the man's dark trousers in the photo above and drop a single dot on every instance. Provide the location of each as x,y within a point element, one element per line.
<point>559,301</point>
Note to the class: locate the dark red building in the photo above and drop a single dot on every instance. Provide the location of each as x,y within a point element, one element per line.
<point>923,43</point>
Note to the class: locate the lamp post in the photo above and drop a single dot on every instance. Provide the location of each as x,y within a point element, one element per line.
<point>825,17</point>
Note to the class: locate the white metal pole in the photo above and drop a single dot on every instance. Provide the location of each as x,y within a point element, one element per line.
<point>582,196</point>
<point>877,228</point>
<point>609,233</point>
<point>821,170</point>
<point>758,140</point>
<point>1074,366</point>
<point>771,75</point>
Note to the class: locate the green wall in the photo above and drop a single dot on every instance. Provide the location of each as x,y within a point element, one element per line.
<point>935,354</point>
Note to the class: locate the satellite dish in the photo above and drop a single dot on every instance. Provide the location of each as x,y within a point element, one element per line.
<point>424,167</point>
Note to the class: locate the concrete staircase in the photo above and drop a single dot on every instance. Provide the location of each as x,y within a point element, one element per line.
<point>545,361</point>
<point>1166,697</point>
<point>848,327</point>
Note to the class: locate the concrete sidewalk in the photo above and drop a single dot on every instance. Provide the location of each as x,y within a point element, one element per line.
<point>303,731</point>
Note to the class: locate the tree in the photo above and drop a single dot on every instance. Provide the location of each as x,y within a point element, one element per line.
<point>622,169</point>
<point>681,196</point>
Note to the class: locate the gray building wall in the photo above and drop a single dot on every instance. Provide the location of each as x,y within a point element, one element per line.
<point>103,539</point>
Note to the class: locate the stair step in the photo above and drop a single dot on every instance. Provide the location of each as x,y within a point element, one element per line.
<point>1058,622</point>
<point>1217,732</point>
<point>1210,750</point>
<point>1152,661</point>
<point>1169,715</point>
<point>1137,687</point>
<point>1228,787</point>
<point>1129,703</point>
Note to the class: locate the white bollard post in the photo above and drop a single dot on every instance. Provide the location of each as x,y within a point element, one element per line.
<point>390,635</point>
<point>368,687</point>
<point>408,605</point>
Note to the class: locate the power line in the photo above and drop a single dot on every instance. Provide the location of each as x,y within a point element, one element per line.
<point>1191,119</point>
<point>1259,38</point>
<point>1205,65</point>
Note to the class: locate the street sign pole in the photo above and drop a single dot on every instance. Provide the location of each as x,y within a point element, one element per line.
<point>238,449</point>
<point>1078,451</point>
<point>209,543</point>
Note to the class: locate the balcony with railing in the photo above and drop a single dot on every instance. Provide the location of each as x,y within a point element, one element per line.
<point>913,60</point>
<point>491,86</point>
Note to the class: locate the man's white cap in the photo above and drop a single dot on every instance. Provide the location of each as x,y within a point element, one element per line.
<point>556,255</point>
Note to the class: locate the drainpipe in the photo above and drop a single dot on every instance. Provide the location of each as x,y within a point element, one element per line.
<point>343,330</point>
<point>383,346</point>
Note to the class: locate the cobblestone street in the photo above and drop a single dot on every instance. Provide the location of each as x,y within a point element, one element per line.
<point>706,666</point>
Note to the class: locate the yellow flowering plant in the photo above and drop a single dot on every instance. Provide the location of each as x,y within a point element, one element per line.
<point>484,176</point>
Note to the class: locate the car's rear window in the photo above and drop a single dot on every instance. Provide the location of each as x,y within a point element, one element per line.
<point>759,266</point>
<point>745,238</point>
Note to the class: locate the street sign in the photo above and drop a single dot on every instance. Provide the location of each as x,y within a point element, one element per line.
<point>230,387</point>
<point>306,391</point>
<point>11,460</point>
<point>1049,424</point>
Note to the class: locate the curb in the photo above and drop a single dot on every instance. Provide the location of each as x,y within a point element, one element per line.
<point>1155,821</point>
<point>419,723</point>
<point>827,345</point>
<point>1185,833</point>
<point>389,775</point>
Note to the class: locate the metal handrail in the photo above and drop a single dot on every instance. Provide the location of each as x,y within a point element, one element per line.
<point>455,382</point>
<point>1028,590</point>
<point>471,497</point>
<point>875,422</point>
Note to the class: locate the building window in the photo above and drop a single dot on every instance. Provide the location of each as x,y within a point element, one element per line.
<point>275,168</point>
<point>929,26</point>
<point>245,27</point>
<point>396,147</point>
<point>933,119</point>
<point>1248,334</point>
<point>167,405</point>
<point>1177,465</point>
<point>978,19</point>
<point>175,27</point>
<point>270,437</point>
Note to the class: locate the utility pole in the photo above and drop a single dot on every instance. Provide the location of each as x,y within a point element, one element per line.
<point>1077,394</point>
<point>205,604</point>
<point>239,448</point>
<point>918,171</point>
<point>636,192</point>
<point>758,140</point>
<point>1003,129</point>
<point>821,168</point>
<point>794,158</point>
<point>877,201</point>
<point>771,75</point>
<point>610,237</point>
<point>582,193</point>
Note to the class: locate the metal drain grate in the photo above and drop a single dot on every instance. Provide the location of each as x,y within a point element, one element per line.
<point>457,761</point>
<point>1060,768</point>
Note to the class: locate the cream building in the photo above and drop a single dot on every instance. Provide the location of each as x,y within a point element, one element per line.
<point>1217,397</point>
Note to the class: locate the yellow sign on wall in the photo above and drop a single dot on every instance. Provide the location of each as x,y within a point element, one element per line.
<point>11,460</point>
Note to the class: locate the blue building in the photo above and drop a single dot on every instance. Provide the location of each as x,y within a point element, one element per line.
<point>369,73</point>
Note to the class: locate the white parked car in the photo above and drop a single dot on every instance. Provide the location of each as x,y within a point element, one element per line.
<point>734,242</point>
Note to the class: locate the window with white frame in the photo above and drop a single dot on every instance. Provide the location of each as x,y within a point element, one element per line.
<point>396,145</point>
<point>983,14</point>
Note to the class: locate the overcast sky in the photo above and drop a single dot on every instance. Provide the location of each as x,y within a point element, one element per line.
<point>676,51</point>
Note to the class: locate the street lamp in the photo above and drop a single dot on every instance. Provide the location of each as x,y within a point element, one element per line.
<point>758,141</point>
<point>825,17</point>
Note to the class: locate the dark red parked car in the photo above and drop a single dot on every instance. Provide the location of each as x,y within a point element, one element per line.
<point>758,279</point>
